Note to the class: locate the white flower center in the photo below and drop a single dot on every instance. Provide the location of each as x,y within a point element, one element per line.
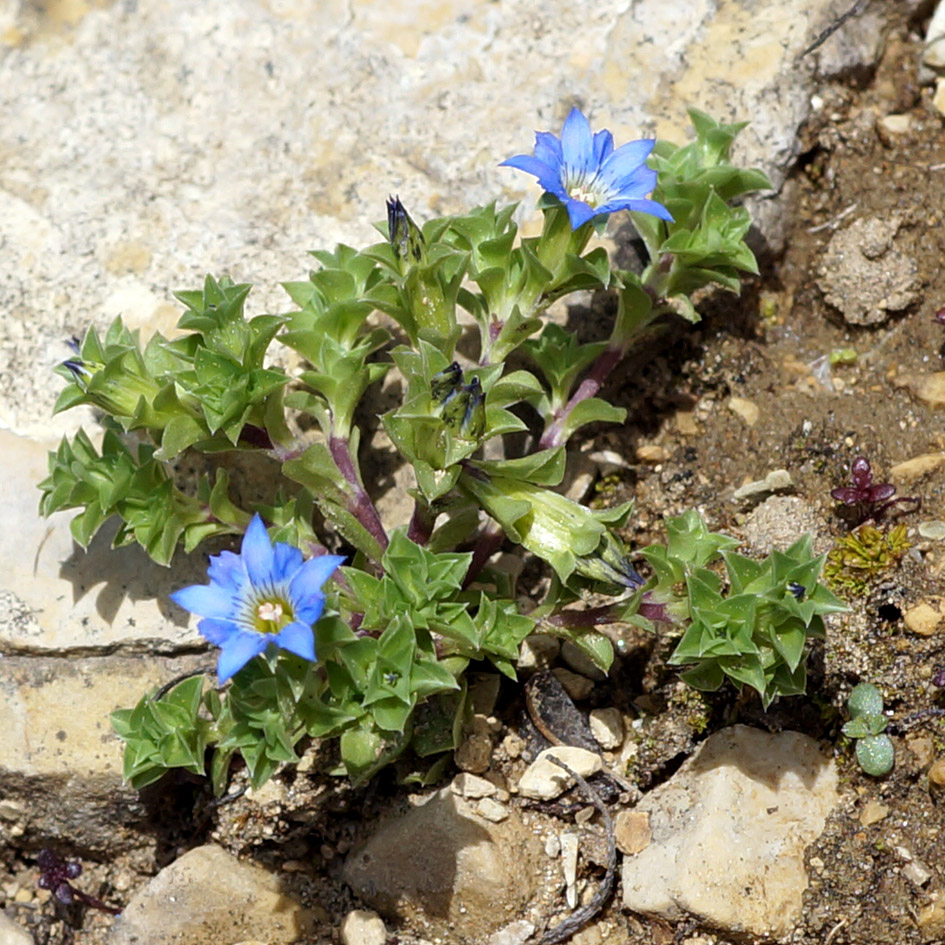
<point>583,193</point>
<point>269,611</point>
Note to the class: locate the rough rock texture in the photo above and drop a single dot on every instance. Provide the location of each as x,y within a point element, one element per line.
<point>440,865</point>
<point>59,599</point>
<point>864,275</point>
<point>209,896</point>
<point>165,140</point>
<point>12,933</point>
<point>60,761</point>
<point>729,831</point>
<point>776,524</point>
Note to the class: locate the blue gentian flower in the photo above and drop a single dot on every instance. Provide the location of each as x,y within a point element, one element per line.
<point>587,175</point>
<point>266,594</point>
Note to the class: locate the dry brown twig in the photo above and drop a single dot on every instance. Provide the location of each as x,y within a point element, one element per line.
<point>580,917</point>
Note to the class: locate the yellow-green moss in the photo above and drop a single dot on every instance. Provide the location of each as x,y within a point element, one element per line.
<point>856,559</point>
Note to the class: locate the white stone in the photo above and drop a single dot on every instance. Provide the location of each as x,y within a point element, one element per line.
<point>440,864</point>
<point>363,927</point>
<point>492,810</point>
<point>544,780</point>
<point>569,857</point>
<point>938,96</point>
<point>515,933</point>
<point>729,831</point>
<point>60,760</point>
<point>746,409</point>
<point>207,895</point>
<point>58,598</point>
<point>12,933</point>
<point>933,55</point>
<point>472,786</point>
<point>607,727</point>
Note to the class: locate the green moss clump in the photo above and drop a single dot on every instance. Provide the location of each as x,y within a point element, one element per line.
<point>856,559</point>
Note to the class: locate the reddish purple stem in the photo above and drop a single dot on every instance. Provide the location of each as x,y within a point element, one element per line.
<point>606,361</point>
<point>421,523</point>
<point>488,544</point>
<point>360,504</point>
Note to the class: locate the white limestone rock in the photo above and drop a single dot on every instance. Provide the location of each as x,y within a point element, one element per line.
<point>729,831</point>
<point>208,895</point>
<point>442,868</point>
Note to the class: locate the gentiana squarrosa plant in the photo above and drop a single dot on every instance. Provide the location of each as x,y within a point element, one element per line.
<point>874,748</point>
<point>331,623</point>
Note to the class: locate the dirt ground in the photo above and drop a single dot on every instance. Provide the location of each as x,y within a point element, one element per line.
<point>811,422</point>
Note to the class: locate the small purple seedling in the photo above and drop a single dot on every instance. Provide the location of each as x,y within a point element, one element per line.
<point>868,499</point>
<point>56,875</point>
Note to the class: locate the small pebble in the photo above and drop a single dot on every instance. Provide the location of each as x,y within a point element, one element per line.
<point>580,662</point>
<point>912,469</point>
<point>927,617</point>
<point>538,651</point>
<point>931,920</point>
<point>938,99</point>
<point>569,855</point>
<point>544,780</point>
<point>686,422</point>
<point>492,810</point>
<point>363,927</point>
<point>472,786</point>
<point>746,409</point>
<point>474,754</point>
<point>607,727</point>
<point>632,831</point>
<point>576,686</point>
<point>927,387</point>
<point>651,453</point>
<point>937,773</point>
<point>872,813</point>
<point>933,530</point>
<point>917,873</point>
<point>515,933</point>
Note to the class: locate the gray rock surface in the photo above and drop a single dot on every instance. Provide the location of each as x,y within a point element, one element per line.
<point>363,927</point>
<point>12,933</point>
<point>864,275</point>
<point>729,831</point>
<point>544,780</point>
<point>206,896</point>
<point>780,520</point>
<point>60,761</point>
<point>447,871</point>
<point>146,144</point>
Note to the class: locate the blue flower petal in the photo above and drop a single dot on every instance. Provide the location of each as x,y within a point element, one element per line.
<point>548,149</point>
<point>286,560</point>
<point>587,166</point>
<point>548,176</point>
<point>257,556</point>
<point>576,143</point>
<point>652,207</point>
<point>579,212</point>
<point>308,580</point>
<point>603,146</point>
<point>206,600</point>
<point>309,609</point>
<point>238,650</point>
<point>227,570</point>
<point>218,632</point>
<point>626,159</point>
<point>635,186</point>
<point>297,638</point>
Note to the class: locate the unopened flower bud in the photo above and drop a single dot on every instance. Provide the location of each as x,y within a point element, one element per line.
<point>404,235</point>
